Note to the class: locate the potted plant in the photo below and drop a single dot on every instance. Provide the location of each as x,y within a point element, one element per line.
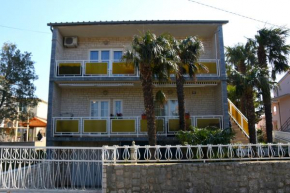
<point>187,115</point>
<point>143,116</point>
<point>119,114</point>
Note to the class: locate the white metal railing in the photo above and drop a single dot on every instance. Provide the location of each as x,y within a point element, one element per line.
<point>109,71</point>
<point>238,117</point>
<point>79,169</point>
<point>110,130</point>
<point>82,69</point>
<point>195,153</point>
<point>50,168</point>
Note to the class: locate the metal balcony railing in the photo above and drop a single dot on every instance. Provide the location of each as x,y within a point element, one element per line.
<point>126,125</point>
<point>238,117</point>
<point>91,68</point>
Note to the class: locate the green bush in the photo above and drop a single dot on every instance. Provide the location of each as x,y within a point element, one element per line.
<point>260,136</point>
<point>203,136</point>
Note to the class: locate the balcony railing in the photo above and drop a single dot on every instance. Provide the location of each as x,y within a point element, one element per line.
<point>127,125</point>
<point>238,117</point>
<point>89,68</point>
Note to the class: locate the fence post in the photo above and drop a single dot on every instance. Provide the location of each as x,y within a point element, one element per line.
<point>115,154</point>
<point>133,152</point>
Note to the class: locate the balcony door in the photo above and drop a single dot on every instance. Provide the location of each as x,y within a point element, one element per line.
<point>169,109</point>
<point>100,108</point>
<point>106,56</point>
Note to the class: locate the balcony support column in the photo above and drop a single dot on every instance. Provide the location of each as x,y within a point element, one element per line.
<point>223,78</point>
<point>49,132</point>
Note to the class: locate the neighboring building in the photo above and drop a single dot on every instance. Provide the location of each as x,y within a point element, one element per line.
<point>94,99</point>
<point>281,104</point>
<point>11,132</point>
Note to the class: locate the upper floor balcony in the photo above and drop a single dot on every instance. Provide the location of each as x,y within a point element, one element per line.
<point>96,68</point>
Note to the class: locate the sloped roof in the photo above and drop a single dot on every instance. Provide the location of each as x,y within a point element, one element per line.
<point>36,122</point>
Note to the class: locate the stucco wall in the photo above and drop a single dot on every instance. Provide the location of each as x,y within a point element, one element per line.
<point>205,101</point>
<point>224,177</point>
<point>284,86</point>
<point>284,104</point>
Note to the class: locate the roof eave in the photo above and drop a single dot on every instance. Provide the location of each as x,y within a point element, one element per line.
<point>220,22</point>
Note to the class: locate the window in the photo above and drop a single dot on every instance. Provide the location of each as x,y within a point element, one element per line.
<point>105,56</point>
<point>275,110</point>
<point>117,56</point>
<point>169,109</point>
<point>94,55</point>
<point>173,108</point>
<point>99,108</point>
<point>108,56</point>
<point>118,108</point>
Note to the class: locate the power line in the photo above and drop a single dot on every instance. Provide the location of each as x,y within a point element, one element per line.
<point>24,29</point>
<point>237,14</point>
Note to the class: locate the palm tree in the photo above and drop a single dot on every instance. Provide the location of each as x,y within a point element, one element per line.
<point>239,57</point>
<point>189,51</point>
<point>150,54</point>
<point>244,75</point>
<point>272,54</point>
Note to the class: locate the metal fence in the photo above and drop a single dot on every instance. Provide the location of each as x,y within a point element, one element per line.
<point>75,168</point>
<point>57,168</point>
<point>196,153</point>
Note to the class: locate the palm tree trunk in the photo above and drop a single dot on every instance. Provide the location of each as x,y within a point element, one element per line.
<point>244,105</point>
<point>180,97</point>
<point>251,114</point>
<point>147,86</point>
<point>268,114</point>
<point>242,69</point>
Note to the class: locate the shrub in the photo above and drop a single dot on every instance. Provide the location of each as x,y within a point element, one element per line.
<point>203,136</point>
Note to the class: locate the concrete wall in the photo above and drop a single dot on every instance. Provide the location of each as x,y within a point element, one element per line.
<point>206,101</point>
<point>243,177</point>
<point>40,110</point>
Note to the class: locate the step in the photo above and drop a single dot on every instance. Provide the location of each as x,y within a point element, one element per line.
<point>240,137</point>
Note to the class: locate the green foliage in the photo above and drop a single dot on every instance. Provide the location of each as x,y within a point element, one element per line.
<point>16,82</point>
<point>160,98</point>
<point>203,136</point>
<point>261,136</point>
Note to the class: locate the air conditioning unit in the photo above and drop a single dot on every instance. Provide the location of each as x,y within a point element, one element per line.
<point>70,42</point>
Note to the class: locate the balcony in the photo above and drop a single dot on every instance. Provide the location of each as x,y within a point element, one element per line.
<point>84,68</point>
<point>126,126</point>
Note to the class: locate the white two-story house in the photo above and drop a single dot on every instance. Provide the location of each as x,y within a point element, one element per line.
<point>95,99</point>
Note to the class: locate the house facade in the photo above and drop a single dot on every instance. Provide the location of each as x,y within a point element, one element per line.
<point>21,131</point>
<point>94,98</point>
<point>281,104</point>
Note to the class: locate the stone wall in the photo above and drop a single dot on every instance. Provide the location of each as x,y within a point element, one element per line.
<point>205,101</point>
<point>266,176</point>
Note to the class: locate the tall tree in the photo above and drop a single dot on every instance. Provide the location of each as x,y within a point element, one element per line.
<point>237,57</point>
<point>189,51</point>
<point>16,82</point>
<point>150,54</point>
<point>243,75</point>
<point>272,52</point>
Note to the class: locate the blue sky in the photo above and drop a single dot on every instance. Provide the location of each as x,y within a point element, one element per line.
<point>35,14</point>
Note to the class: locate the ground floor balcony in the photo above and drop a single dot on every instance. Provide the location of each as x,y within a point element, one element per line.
<point>125,126</point>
